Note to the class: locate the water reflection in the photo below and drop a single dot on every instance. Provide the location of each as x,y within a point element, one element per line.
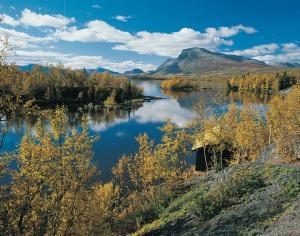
<point>118,129</point>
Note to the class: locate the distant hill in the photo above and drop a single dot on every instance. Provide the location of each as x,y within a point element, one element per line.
<point>29,67</point>
<point>200,60</point>
<point>287,65</point>
<point>102,70</point>
<point>134,72</point>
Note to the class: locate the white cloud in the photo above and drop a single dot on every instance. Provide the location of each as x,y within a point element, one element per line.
<point>143,42</point>
<point>21,39</point>
<point>57,27</point>
<point>24,57</point>
<point>171,44</point>
<point>129,65</point>
<point>8,20</point>
<point>96,6</point>
<point>95,31</point>
<point>12,7</point>
<point>122,18</point>
<point>257,50</point>
<point>30,18</point>
<point>226,32</point>
<point>272,53</point>
<point>289,47</point>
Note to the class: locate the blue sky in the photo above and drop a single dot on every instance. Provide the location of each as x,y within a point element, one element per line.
<point>122,35</point>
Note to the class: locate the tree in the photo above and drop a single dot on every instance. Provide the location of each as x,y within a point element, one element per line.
<point>53,187</point>
<point>250,135</point>
<point>283,118</point>
<point>110,102</point>
<point>145,179</point>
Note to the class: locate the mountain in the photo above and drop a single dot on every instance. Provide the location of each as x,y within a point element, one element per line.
<point>200,60</point>
<point>102,70</point>
<point>29,67</point>
<point>287,65</point>
<point>134,72</point>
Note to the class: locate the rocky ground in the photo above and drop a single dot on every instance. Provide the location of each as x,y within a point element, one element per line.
<point>254,199</point>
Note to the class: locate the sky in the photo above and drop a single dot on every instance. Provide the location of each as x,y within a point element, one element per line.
<point>122,35</point>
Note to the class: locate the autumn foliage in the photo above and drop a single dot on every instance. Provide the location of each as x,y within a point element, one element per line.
<point>177,84</point>
<point>258,82</point>
<point>57,85</point>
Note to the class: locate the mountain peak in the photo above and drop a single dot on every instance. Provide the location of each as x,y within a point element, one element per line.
<point>195,49</point>
<point>200,60</point>
<point>193,53</point>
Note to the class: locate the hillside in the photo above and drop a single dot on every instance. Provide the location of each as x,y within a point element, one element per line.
<point>253,199</point>
<point>29,67</point>
<point>199,60</point>
<point>135,71</point>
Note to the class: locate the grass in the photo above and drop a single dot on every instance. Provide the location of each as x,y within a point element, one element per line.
<point>205,202</point>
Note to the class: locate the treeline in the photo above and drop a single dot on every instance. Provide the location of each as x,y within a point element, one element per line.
<point>56,191</point>
<point>58,85</point>
<point>258,82</point>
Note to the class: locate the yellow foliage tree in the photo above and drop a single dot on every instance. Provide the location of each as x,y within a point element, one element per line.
<point>110,102</point>
<point>284,124</point>
<point>52,191</point>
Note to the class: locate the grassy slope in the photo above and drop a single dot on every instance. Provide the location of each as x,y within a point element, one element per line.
<point>243,200</point>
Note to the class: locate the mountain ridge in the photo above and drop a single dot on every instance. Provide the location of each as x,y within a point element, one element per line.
<point>199,60</point>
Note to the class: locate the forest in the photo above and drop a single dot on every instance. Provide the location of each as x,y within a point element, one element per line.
<point>57,85</point>
<point>54,188</point>
<point>263,82</point>
<point>256,82</point>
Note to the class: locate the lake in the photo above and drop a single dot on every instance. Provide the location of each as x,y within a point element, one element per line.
<point>117,129</point>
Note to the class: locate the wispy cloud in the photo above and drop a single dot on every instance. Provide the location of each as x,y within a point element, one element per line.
<point>122,18</point>
<point>226,32</point>
<point>23,40</point>
<point>95,31</point>
<point>272,53</point>
<point>8,20</point>
<point>96,6</point>
<point>30,18</point>
<point>257,50</point>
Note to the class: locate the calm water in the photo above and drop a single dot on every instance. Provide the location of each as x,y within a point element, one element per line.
<point>118,129</point>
